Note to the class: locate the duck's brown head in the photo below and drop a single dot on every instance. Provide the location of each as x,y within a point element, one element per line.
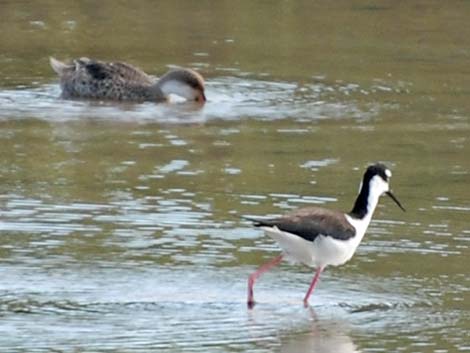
<point>186,83</point>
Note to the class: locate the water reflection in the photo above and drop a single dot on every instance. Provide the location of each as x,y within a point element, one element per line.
<point>302,330</point>
<point>229,98</point>
<point>320,336</point>
<point>188,308</point>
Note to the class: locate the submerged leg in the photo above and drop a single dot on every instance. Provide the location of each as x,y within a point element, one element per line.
<point>254,276</point>
<point>313,284</point>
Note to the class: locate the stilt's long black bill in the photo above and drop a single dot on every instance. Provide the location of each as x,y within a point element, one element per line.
<point>389,193</point>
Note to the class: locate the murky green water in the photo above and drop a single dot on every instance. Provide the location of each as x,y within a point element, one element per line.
<point>120,227</point>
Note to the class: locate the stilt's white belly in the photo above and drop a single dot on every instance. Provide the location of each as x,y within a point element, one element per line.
<point>323,251</point>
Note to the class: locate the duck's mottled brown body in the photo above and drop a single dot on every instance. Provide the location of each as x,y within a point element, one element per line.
<point>87,78</point>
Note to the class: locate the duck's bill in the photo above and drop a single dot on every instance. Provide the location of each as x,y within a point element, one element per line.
<point>201,98</point>
<point>389,193</point>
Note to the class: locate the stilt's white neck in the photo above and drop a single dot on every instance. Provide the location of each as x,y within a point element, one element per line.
<point>373,186</point>
<point>363,210</point>
<point>368,198</point>
<point>372,202</point>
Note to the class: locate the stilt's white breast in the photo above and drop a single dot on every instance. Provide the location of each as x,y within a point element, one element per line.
<point>331,251</point>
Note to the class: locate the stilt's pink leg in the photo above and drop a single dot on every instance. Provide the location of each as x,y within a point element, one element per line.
<point>254,276</point>
<point>313,284</point>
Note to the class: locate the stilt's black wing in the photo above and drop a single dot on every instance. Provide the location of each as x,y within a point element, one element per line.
<point>310,222</point>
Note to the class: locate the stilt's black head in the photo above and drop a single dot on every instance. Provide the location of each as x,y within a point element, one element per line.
<point>377,169</point>
<point>374,182</point>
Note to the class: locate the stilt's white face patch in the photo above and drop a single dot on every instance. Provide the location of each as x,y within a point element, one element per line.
<point>388,173</point>
<point>377,186</point>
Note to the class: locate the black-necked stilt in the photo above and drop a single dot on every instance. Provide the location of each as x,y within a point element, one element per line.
<point>319,237</point>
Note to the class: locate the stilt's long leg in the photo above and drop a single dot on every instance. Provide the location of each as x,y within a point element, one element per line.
<point>254,276</point>
<point>313,284</point>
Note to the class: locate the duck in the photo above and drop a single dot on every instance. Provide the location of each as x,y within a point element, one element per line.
<point>119,81</point>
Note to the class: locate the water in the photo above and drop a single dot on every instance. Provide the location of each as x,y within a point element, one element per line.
<point>120,224</point>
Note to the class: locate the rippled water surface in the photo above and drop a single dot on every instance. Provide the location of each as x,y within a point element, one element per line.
<point>121,225</point>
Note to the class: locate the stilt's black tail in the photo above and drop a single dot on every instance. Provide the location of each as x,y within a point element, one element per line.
<point>258,222</point>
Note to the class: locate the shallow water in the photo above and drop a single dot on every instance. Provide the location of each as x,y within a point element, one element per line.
<point>121,225</point>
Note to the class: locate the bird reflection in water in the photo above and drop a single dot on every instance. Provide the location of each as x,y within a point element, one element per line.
<point>310,333</point>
